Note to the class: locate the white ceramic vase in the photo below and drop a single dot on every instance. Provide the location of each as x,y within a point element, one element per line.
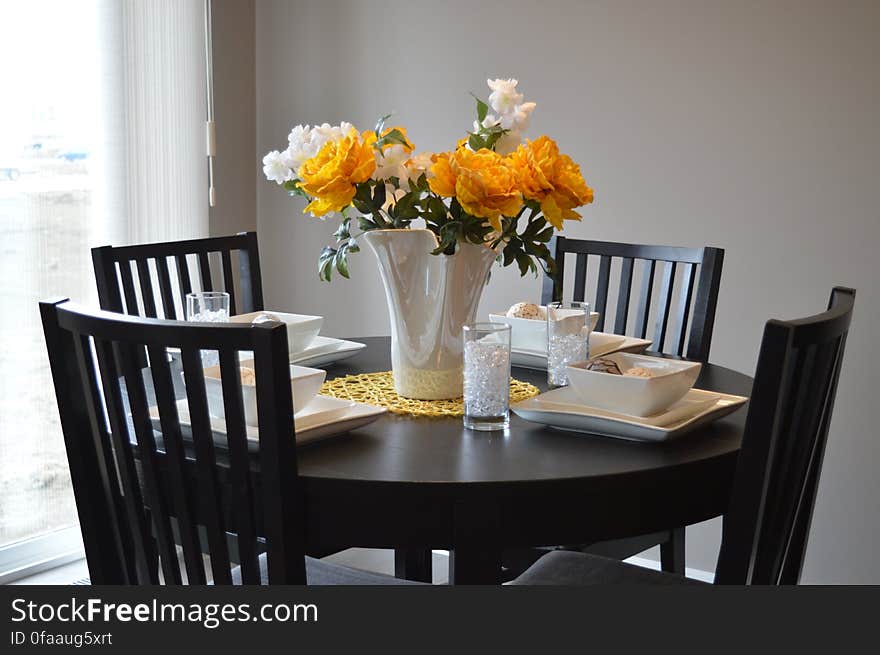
<point>429,298</point>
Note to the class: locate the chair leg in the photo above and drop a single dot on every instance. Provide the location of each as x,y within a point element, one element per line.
<point>413,564</point>
<point>672,552</point>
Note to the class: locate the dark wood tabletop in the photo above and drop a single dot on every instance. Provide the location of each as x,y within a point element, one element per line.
<point>416,483</point>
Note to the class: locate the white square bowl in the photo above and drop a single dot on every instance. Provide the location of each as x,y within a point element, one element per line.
<point>301,328</point>
<point>531,333</point>
<point>304,385</point>
<point>636,396</point>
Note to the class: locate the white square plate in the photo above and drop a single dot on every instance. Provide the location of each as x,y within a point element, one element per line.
<point>321,352</point>
<point>561,409</point>
<point>326,350</point>
<point>322,418</point>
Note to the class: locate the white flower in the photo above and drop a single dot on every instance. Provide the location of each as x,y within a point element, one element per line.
<point>299,135</point>
<point>390,163</point>
<point>305,142</point>
<point>511,114</point>
<point>300,146</point>
<point>518,119</point>
<point>415,167</point>
<point>504,97</point>
<point>491,120</point>
<point>420,163</point>
<point>321,134</point>
<point>508,142</point>
<point>277,167</point>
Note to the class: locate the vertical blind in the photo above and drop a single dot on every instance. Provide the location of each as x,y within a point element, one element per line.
<point>157,173</point>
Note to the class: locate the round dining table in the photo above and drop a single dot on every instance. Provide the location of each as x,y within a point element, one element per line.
<point>413,484</point>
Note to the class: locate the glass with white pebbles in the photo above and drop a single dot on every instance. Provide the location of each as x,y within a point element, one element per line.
<point>568,339</point>
<point>486,376</point>
<point>207,307</point>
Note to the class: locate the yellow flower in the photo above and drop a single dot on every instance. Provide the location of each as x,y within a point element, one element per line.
<point>330,176</point>
<point>484,183</point>
<point>442,177</point>
<point>552,179</point>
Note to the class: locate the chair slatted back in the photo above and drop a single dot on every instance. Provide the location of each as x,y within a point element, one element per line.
<point>143,484</point>
<point>675,297</point>
<point>137,280</point>
<point>767,525</point>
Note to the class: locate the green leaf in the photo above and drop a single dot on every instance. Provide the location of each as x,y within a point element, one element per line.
<point>545,235</point>
<point>293,189</point>
<point>325,263</point>
<point>394,136</point>
<point>406,206</point>
<point>362,207</point>
<point>352,246</point>
<point>362,192</point>
<point>533,228</point>
<point>476,142</point>
<point>378,196</point>
<point>342,232</point>
<point>380,124</point>
<point>524,262</point>
<point>536,249</point>
<point>342,263</point>
<point>365,224</point>
<point>511,250</point>
<point>482,109</point>
<point>436,210</point>
<point>448,236</point>
<point>492,139</point>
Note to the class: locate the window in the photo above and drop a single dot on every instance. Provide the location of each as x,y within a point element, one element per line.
<point>101,141</point>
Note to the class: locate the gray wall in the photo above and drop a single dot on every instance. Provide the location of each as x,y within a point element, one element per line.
<point>235,116</point>
<point>747,125</point>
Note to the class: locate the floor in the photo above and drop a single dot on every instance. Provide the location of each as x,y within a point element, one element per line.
<point>370,559</point>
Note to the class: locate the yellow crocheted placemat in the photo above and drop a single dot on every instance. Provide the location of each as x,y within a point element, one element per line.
<point>378,389</point>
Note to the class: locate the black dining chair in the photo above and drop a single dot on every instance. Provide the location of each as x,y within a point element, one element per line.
<point>679,319</point>
<point>768,521</point>
<point>137,280</point>
<point>144,481</point>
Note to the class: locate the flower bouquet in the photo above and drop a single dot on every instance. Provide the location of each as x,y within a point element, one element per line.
<point>444,217</point>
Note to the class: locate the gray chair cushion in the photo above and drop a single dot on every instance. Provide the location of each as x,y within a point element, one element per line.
<point>563,567</point>
<point>319,572</point>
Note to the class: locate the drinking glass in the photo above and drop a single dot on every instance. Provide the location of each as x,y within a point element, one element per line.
<point>568,339</point>
<point>486,376</point>
<point>207,307</point>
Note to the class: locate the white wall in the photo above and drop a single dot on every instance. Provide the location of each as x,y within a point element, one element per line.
<point>746,125</point>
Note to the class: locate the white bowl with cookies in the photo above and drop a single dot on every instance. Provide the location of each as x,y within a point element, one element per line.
<point>304,385</point>
<point>638,385</point>
<point>528,326</point>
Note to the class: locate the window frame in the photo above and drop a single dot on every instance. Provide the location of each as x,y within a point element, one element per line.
<point>25,557</point>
